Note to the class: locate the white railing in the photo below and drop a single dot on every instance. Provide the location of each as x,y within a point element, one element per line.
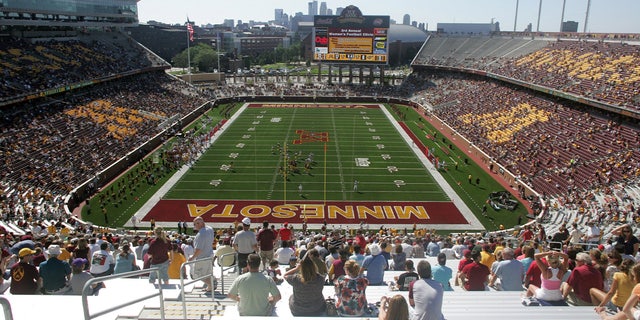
<point>87,289</point>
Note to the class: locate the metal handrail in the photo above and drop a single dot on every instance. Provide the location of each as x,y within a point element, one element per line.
<point>6,307</point>
<point>182,283</point>
<point>88,285</point>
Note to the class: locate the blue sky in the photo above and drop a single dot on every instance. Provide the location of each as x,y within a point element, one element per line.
<point>605,15</point>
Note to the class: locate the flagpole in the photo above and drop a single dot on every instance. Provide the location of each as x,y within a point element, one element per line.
<point>284,172</point>
<point>188,51</point>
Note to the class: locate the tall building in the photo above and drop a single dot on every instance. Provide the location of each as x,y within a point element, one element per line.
<point>406,19</point>
<point>277,15</point>
<point>323,8</point>
<point>329,12</point>
<point>313,8</point>
<point>228,23</point>
<point>339,11</point>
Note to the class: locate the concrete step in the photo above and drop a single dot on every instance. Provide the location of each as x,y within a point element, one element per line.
<point>195,310</point>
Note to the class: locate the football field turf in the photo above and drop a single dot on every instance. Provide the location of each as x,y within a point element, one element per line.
<point>342,164</point>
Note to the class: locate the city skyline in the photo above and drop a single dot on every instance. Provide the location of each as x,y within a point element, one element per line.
<point>603,16</point>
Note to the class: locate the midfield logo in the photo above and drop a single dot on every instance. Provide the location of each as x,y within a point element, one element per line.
<point>308,136</point>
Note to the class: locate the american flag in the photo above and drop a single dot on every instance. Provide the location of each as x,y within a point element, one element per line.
<point>190,30</point>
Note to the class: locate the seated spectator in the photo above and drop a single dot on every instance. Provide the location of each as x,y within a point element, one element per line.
<point>273,271</point>
<point>474,276</point>
<point>374,265</point>
<point>629,310</point>
<point>404,280</point>
<point>79,277</point>
<point>307,299</point>
<point>25,278</point>
<point>284,253</point>
<point>620,290</point>
<point>351,298</point>
<point>509,271</point>
<point>426,294</point>
<point>54,273</point>
<point>552,272</point>
<point>442,273</point>
<point>583,277</point>
<point>393,308</point>
<point>399,258</point>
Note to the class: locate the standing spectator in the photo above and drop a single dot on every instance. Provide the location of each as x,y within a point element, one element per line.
<point>159,253</point>
<point>351,291</point>
<point>255,293</point>
<point>102,263</point>
<point>25,278</point>
<point>285,233</point>
<point>583,277</point>
<point>307,299</point>
<point>374,265</point>
<point>575,236</point>
<point>509,271</point>
<point>442,273</point>
<point>474,276</point>
<point>425,295</point>
<point>125,260</point>
<point>393,308</point>
<point>245,243</point>
<point>176,259</point>
<point>266,240</point>
<point>404,280</point>
<point>203,248</point>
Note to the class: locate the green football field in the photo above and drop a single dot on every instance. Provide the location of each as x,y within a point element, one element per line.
<point>252,159</point>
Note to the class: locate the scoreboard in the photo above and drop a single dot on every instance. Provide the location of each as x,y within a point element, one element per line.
<point>351,38</point>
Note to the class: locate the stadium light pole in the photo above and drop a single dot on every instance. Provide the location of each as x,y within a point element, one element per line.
<point>586,18</point>
<point>564,4</point>
<point>539,12</point>
<point>515,21</point>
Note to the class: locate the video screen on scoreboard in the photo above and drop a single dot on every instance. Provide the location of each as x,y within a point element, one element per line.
<point>351,38</point>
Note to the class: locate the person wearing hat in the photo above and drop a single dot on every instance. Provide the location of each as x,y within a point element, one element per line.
<point>55,273</point>
<point>583,277</point>
<point>245,243</point>
<point>79,276</point>
<point>374,265</point>
<point>25,278</point>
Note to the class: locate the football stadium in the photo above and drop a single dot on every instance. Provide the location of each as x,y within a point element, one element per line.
<point>156,171</point>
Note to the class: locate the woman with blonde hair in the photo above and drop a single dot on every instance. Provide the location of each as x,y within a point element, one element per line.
<point>619,291</point>
<point>551,276</point>
<point>307,283</point>
<point>159,255</point>
<point>351,291</point>
<point>394,308</point>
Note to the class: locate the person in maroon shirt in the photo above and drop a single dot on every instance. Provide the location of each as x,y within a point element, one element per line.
<point>474,276</point>
<point>583,277</point>
<point>266,240</point>
<point>159,249</point>
<point>24,275</point>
